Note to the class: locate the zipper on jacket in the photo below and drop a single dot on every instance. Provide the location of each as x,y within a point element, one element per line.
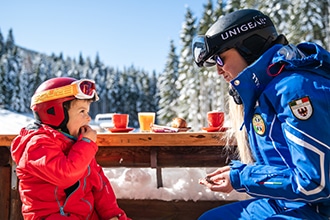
<point>58,202</point>
<point>62,211</point>
<point>85,178</point>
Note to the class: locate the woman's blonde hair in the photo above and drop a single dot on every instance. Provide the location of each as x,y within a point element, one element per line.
<point>238,132</point>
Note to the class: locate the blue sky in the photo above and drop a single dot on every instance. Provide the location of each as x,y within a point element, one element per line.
<point>122,32</point>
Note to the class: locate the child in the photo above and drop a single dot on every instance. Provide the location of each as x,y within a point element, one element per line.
<point>55,157</point>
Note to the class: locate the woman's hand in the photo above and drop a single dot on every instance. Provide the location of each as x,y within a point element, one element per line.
<point>219,180</point>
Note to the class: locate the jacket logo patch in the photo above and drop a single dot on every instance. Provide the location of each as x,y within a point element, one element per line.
<point>302,108</point>
<point>258,124</point>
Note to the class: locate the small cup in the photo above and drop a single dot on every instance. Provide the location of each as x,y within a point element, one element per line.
<point>146,120</point>
<point>215,119</point>
<point>120,120</point>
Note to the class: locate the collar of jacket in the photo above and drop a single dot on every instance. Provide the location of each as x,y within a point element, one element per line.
<point>252,81</point>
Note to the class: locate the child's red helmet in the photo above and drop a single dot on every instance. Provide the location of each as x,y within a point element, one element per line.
<point>47,101</point>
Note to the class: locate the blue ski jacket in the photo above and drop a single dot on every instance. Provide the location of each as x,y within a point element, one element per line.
<point>286,98</point>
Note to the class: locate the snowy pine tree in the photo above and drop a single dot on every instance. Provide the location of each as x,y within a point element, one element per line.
<point>188,80</point>
<point>167,90</point>
<point>2,45</point>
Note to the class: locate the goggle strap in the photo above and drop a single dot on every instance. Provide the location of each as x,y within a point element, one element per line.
<point>62,92</point>
<point>52,94</point>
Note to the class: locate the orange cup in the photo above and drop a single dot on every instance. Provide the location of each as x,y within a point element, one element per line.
<point>146,119</point>
<point>215,119</point>
<point>120,120</point>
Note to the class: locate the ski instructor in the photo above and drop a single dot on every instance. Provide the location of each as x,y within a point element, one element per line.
<point>282,96</point>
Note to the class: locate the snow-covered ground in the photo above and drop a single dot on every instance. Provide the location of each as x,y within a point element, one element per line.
<point>141,183</point>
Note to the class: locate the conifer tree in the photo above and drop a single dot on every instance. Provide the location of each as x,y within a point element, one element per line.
<point>218,10</point>
<point>26,78</point>
<point>2,85</point>
<point>97,62</point>
<point>72,67</point>
<point>99,76</point>
<point>154,91</point>
<point>207,77</point>
<point>2,45</point>
<point>277,10</point>
<point>114,89</point>
<point>167,90</point>
<point>81,60</point>
<point>188,80</point>
<point>326,20</point>
<point>10,43</point>
<point>142,83</point>
<point>220,93</point>
<point>138,89</point>
<point>232,5</point>
<point>306,24</point>
<point>13,83</point>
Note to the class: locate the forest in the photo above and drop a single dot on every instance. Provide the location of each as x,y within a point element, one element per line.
<point>181,89</point>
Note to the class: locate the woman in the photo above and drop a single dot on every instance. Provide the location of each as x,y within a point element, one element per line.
<point>283,91</point>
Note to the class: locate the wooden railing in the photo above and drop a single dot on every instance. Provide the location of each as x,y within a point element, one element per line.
<point>155,150</point>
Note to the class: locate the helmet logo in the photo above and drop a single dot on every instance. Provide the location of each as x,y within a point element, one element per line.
<point>257,21</point>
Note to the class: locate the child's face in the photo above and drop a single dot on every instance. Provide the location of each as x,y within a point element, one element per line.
<point>78,116</point>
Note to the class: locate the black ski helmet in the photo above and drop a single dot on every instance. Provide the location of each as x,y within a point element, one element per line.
<point>248,30</point>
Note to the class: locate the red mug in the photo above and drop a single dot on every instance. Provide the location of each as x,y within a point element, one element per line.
<point>120,120</point>
<point>215,119</point>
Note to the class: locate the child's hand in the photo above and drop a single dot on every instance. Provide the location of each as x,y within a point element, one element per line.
<point>114,218</point>
<point>87,132</point>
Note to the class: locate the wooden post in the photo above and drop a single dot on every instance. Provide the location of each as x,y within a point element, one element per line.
<point>4,183</point>
<point>16,204</point>
<point>154,164</point>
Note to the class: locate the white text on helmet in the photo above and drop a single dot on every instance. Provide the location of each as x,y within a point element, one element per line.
<point>243,28</point>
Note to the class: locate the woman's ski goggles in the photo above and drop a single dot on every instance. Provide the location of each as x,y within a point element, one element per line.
<point>203,56</point>
<point>81,89</point>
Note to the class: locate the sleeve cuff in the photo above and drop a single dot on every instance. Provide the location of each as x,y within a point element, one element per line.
<point>236,168</point>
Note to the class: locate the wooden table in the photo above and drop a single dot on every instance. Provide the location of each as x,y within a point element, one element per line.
<point>155,150</point>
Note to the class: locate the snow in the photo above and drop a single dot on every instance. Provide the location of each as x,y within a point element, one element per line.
<point>141,183</point>
<point>178,184</point>
<point>11,123</point>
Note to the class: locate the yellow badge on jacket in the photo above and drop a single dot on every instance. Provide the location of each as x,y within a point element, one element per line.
<point>258,124</point>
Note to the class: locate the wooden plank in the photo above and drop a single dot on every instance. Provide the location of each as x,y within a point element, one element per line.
<point>123,156</point>
<point>161,139</point>
<point>6,139</point>
<point>4,156</point>
<point>149,139</point>
<point>5,191</point>
<point>211,156</point>
<point>167,210</point>
<point>15,206</point>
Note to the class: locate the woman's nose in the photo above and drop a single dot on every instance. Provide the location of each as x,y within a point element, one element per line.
<point>220,70</point>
